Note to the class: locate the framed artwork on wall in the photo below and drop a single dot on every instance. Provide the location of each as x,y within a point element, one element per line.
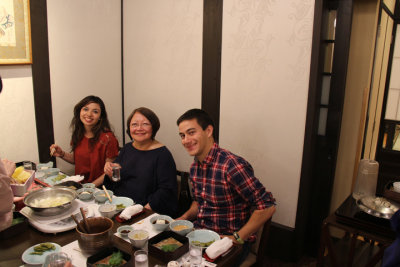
<point>15,32</point>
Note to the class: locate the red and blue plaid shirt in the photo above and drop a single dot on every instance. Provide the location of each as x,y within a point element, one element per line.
<point>226,191</point>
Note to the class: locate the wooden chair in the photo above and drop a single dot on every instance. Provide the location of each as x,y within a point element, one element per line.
<point>258,250</point>
<point>184,192</point>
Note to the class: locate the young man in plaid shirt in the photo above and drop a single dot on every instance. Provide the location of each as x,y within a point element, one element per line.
<point>228,199</point>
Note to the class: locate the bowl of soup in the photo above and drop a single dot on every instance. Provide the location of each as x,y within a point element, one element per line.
<point>182,227</point>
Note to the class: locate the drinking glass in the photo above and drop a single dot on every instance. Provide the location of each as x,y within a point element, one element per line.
<point>27,165</point>
<point>116,174</point>
<point>195,253</point>
<point>141,258</point>
<point>57,259</point>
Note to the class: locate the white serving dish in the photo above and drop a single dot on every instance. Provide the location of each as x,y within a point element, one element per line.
<point>20,189</point>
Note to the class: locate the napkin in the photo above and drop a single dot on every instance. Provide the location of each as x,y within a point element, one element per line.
<point>219,247</point>
<point>128,212</point>
<point>75,178</point>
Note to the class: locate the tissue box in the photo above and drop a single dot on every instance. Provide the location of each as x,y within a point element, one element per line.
<point>20,189</point>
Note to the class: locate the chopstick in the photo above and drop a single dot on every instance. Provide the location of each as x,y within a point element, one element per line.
<point>77,224</point>
<point>105,190</point>
<point>85,221</point>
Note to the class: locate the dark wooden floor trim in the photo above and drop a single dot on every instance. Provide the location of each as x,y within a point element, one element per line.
<point>211,76</point>
<point>41,78</point>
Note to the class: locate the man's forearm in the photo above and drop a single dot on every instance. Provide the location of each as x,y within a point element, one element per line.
<point>256,221</point>
<point>191,213</point>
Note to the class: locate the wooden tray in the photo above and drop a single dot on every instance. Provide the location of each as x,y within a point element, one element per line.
<point>389,193</point>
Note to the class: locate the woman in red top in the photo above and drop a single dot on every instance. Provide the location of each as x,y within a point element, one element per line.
<point>92,143</point>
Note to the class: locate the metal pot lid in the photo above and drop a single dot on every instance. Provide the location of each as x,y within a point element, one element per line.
<point>377,206</point>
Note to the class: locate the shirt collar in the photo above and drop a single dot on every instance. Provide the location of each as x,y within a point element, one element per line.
<point>209,159</point>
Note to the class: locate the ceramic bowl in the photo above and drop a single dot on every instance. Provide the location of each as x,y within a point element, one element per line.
<point>89,185</point>
<point>182,227</point>
<point>124,230</point>
<point>138,238</point>
<point>108,210</point>
<point>85,193</point>
<point>99,237</point>
<point>101,197</point>
<point>160,226</point>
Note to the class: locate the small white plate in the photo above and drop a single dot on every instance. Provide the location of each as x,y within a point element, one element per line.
<point>38,259</point>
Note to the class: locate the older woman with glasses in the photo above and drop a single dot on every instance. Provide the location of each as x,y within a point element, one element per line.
<point>148,171</point>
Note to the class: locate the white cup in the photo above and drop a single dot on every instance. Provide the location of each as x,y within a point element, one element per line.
<point>141,258</point>
<point>196,255</point>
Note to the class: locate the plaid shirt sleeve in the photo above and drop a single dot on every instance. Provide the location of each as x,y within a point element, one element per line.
<point>240,175</point>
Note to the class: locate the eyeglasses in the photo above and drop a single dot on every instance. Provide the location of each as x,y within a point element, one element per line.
<point>143,125</point>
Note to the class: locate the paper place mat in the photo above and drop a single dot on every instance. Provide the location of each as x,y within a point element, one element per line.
<point>78,257</point>
<point>144,224</point>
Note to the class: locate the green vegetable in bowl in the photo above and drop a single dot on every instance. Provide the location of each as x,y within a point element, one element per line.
<point>120,206</point>
<point>202,244</point>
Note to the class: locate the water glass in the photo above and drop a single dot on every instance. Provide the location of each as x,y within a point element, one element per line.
<point>27,165</point>
<point>196,255</point>
<point>141,258</point>
<point>58,259</point>
<point>116,174</point>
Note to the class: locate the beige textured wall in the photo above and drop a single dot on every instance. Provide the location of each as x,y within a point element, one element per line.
<point>163,53</point>
<point>17,115</point>
<point>85,59</point>
<point>265,74</point>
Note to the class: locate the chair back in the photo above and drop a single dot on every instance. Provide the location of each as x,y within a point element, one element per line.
<point>184,192</point>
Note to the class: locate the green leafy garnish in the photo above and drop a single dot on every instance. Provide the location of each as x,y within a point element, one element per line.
<point>169,247</point>
<point>116,259</point>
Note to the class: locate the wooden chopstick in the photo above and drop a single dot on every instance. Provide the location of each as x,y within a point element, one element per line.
<point>77,224</point>
<point>105,190</point>
<point>85,221</point>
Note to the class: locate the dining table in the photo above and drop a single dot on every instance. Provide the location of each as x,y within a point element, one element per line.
<point>12,247</point>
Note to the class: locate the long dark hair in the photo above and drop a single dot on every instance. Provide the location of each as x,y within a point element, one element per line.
<point>78,130</point>
<point>150,115</point>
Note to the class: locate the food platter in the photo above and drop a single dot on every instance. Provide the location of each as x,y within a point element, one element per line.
<point>28,258</point>
<point>203,236</point>
<point>377,206</point>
